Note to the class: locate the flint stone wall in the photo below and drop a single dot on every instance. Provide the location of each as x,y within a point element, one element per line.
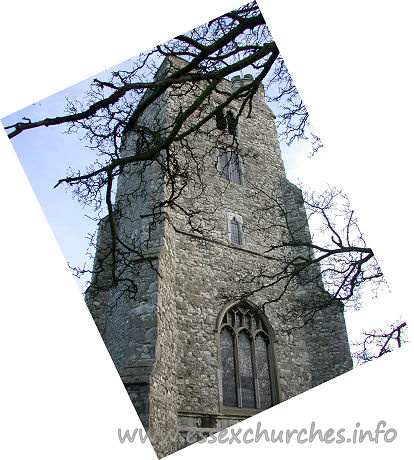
<point>164,339</point>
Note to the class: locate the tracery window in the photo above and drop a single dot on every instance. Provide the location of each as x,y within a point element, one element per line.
<point>246,359</point>
<point>229,165</point>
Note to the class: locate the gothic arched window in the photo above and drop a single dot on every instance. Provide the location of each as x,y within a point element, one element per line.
<point>246,354</point>
<point>236,232</point>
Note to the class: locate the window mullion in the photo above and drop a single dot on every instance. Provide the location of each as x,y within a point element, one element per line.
<point>237,369</point>
<point>231,164</point>
<point>255,374</point>
<point>272,376</point>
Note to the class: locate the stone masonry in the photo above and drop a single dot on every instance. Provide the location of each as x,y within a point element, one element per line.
<point>162,328</point>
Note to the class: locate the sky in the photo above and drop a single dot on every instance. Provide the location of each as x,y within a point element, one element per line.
<point>46,154</point>
<point>60,392</point>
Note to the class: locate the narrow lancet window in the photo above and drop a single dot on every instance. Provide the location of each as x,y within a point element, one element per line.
<point>236,232</point>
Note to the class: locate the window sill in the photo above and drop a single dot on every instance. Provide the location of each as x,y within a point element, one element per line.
<point>239,411</point>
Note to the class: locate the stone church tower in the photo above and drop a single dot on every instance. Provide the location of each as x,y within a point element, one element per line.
<point>195,327</point>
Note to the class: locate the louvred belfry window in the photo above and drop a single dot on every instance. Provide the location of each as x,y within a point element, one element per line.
<point>246,360</point>
<point>226,123</point>
<point>231,123</point>
<point>221,121</point>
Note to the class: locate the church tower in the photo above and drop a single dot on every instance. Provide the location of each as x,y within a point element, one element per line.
<point>195,327</point>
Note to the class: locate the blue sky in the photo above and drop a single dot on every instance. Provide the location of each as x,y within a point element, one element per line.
<point>46,154</point>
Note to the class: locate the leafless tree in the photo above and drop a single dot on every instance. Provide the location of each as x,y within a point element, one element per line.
<point>114,111</point>
<point>335,253</point>
<point>333,257</point>
<point>113,108</point>
<point>376,343</point>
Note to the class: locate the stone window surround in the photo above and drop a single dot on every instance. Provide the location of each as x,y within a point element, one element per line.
<point>274,370</point>
<point>239,220</point>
